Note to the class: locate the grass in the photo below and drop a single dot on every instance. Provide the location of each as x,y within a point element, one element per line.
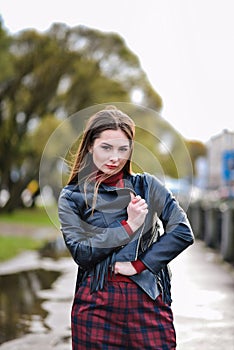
<point>10,246</point>
<point>36,216</point>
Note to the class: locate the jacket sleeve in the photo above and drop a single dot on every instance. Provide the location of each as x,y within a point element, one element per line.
<point>177,234</point>
<point>88,244</point>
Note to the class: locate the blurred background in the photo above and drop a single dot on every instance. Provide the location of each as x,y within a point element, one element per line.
<point>172,58</point>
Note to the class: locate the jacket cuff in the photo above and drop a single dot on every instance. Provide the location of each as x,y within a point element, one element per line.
<point>127,227</point>
<point>138,265</point>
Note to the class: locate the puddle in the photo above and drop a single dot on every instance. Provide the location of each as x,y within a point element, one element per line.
<point>20,307</point>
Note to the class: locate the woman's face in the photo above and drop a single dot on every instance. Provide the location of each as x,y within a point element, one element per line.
<point>111,151</point>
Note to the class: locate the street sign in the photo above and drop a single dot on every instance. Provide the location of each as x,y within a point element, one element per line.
<point>228,166</point>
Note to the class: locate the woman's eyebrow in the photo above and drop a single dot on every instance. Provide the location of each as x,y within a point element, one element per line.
<point>109,144</point>
<point>106,144</point>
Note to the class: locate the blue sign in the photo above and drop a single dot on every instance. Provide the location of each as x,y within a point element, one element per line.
<point>228,166</point>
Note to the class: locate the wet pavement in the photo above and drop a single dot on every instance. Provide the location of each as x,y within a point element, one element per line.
<point>202,291</point>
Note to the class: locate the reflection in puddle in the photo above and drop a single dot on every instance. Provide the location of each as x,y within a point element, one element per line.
<point>20,307</point>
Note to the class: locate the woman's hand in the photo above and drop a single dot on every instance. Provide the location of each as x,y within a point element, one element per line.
<point>137,211</point>
<point>124,268</point>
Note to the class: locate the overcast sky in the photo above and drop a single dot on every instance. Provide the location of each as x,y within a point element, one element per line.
<point>186,48</point>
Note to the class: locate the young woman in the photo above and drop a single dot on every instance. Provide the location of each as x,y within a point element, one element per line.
<point>109,220</point>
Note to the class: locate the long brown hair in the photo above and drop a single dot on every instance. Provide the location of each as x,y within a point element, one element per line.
<point>109,118</point>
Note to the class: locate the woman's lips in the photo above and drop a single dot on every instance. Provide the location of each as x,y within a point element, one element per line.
<point>112,167</point>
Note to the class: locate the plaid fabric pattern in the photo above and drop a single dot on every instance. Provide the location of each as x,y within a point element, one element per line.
<point>120,317</point>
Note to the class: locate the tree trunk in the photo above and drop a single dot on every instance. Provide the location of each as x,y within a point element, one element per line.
<point>15,200</point>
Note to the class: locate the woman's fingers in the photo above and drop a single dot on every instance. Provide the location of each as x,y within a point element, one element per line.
<point>141,203</point>
<point>137,199</point>
<point>137,211</point>
<point>132,195</point>
<point>124,268</point>
<point>134,199</point>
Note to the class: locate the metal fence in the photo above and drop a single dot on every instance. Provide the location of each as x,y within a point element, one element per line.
<point>214,224</point>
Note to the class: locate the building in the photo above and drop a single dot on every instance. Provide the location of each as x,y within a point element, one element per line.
<point>220,159</point>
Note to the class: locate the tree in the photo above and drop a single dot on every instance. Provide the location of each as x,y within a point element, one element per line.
<point>196,149</point>
<point>57,73</point>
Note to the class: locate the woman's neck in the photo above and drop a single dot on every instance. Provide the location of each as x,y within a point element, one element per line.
<point>113,180</point>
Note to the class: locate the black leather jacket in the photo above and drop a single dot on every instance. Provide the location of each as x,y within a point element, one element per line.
<point>96,240</point>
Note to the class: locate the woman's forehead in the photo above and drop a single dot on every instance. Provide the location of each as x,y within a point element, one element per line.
<point>113,136</point>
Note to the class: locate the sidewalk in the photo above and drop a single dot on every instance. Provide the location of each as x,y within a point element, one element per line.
<point>202,289</point>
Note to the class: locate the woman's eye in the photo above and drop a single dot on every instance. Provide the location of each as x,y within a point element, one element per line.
<point>124,149</point>
<point>106,148</point>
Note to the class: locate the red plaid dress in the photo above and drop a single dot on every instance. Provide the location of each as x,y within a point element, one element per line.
<point>121,316</point>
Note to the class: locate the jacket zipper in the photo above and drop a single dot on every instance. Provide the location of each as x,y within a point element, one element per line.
<point>138,242</point>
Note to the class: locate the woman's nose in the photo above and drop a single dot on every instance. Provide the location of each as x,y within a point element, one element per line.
<point>114,157</point>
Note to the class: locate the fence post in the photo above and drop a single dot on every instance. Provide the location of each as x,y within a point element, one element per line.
<point>227,234</point>
<point>212,229</point>
<point>196,214</point>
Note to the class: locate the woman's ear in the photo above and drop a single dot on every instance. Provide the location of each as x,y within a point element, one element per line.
<point>91,150</point>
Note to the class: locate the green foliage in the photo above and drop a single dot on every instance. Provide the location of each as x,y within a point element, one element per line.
<point>46,77</point>
<point>10,246</point>
<point>160,150</point>
<point>7,69</point>
<point>33,216</point>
